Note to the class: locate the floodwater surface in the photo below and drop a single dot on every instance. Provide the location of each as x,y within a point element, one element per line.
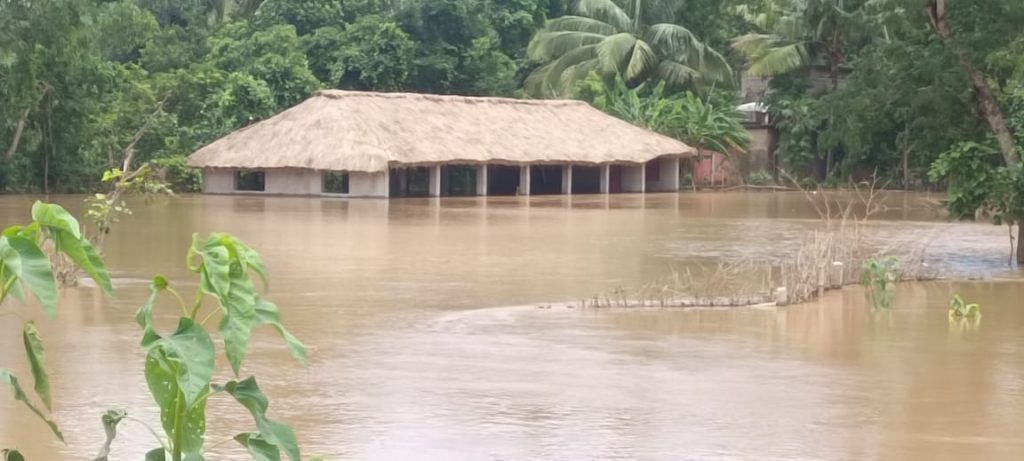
<point>427,340</point>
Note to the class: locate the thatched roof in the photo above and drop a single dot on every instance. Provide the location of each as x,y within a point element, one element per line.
<point>362,131</point>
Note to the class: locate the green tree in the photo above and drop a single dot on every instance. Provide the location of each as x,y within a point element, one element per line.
<point>458,51</point>
<point>636,41</point>
<point>272,55</point>
<point>372,53</point>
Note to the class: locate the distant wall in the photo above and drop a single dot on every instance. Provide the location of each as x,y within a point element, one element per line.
<point>361,184</point>
<point>662,175</point>
<point>295,181</point>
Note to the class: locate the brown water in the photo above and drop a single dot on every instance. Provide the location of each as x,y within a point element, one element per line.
<point>413,355</point>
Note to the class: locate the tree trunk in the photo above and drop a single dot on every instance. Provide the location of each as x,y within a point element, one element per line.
<point>19,129</point>
<point>1020,248</point>
<point>987,103</point>
<point>906,169</point>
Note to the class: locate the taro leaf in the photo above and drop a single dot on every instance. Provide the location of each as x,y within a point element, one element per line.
<point>215,277</point>
<point>260,449</point>
<point>239,316</point>
<point>144,316</point>
<point>84,255</point>
<point>178,371</point>
<point>268,314</point>
<point>189,353</point>
<point>250,257</point>
<point>110,421</point>
<point>11,455</point>
<point>161,375</point>
<point>19,394</point>
<point>24,259</point>
<point>272,432</point>
<point>37,361</point>
<point>157,454</point>
<point>55,218</point>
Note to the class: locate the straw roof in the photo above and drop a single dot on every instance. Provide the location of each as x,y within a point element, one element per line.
<point>363,131</point>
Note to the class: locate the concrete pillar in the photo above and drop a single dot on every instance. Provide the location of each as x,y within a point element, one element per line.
<point>481,179</point>
<point>670,174</point>
<point>633,178</point>
<point>435,181</point>
<point>606,178</point>
<point>524,180</point>
<point>567,179</point>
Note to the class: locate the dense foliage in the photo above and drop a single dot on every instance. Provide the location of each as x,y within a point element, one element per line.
<point>854,86</point>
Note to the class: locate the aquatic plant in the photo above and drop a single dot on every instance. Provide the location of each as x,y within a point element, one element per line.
<point>879,277</point>
<point>960,309</point>
<point>25,253</point>
<point>179,365</point>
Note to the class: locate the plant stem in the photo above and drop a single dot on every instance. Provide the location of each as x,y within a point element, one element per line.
<point>151,431</point>
<point>181,302</point>
<point>212,311</point>
<point>197,304</point>
<point>179,421</point>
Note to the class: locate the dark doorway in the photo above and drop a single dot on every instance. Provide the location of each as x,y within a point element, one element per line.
<point>409,182</point>
<point>586,179</point>
<point>615,179</point>
<point>458,180</point>
<point>545,179</point>
<point>502,179</point>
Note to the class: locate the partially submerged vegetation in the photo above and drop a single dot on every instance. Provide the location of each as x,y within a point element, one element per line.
<point>837,254</point>
<point>179,366</point>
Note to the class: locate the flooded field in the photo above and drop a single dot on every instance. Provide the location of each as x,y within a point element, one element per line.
<point>427,343</point>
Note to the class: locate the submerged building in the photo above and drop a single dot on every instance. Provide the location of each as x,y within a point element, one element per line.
<point>363,144</point>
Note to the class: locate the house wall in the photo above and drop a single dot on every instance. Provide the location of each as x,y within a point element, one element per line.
<point>668,175</point>
<point>759,155</point>
<point>295,181</point>
<point>362,184</point>
<point>633,178</point>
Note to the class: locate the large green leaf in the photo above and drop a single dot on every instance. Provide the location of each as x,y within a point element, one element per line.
<point>37,361</point>
<point>615,52</point>
<point>239,315</point>
<point>55,217</point>
<point>280,435</point>
<point>184,424</point>
<point>110,421</point>
<point>6,377</point>
<point>11,455</point>
<point>85,256</point>
<point>189,353</point>
<point>269,314</point>
<point>23,258</point>
<point>260,449</point>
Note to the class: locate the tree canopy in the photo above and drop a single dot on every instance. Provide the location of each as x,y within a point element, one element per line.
<point>905,81</point>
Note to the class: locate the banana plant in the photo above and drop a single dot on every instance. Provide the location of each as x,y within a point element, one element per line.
<point>25,253</point>
<point>179,365</point>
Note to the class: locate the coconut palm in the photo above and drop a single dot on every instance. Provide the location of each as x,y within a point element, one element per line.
<point>807,33</point>
<point>632,39</point>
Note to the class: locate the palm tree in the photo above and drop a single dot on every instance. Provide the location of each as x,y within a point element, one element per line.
<point>809,33</point>
<point>803,34</point>
<point>621,38</point>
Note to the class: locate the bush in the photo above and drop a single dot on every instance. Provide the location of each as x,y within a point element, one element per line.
<point>760,178</point>
<point>177,174</point>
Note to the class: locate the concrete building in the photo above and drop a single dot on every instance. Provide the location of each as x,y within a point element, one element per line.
<point>362,144</point>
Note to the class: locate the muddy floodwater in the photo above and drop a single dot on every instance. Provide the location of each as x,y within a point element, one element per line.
<point>426,340</point>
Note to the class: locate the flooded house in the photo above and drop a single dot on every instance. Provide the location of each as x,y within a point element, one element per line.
<point>365,144</point>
